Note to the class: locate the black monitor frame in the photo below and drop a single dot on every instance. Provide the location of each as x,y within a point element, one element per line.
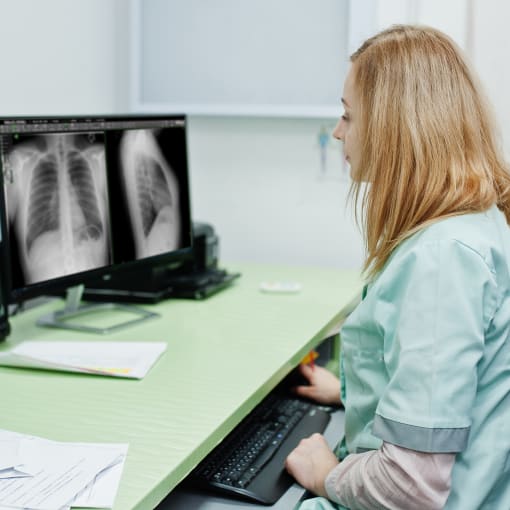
<point>110,125</point>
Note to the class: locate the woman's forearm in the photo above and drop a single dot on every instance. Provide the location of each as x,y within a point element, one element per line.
<point>392,477</point>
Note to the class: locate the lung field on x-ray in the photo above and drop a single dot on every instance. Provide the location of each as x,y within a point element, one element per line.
<point>43,209</point>
<point>83,186</point>
<point>59,204</point>
<point>153,192</point>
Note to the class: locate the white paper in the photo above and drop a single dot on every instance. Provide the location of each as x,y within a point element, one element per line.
<point>118,359</point>
<point>13,473</point>
<point>17,472</point>
<point>11,462</point>
<point>102,491</point>
<point>9,453</point>
<point>62,471</point>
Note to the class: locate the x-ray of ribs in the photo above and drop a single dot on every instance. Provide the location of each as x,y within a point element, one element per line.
<point>152,193</point>
<point>57,204</point>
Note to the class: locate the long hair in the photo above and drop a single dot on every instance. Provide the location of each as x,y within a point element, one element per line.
<point>428,147</point>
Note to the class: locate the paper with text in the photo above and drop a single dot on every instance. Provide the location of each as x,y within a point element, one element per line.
<point>9,454</point>
<point>118,359</point>
<point>103,489</point>
<point>63,471</point>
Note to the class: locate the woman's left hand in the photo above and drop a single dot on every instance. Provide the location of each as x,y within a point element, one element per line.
<point>310,463</point>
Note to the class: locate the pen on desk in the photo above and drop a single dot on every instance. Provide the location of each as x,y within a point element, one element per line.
<point>310,358</point>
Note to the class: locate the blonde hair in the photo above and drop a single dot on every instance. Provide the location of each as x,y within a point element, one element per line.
<point>427,143</point>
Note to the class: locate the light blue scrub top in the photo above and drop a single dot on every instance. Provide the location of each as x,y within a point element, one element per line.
<point>426,356</point>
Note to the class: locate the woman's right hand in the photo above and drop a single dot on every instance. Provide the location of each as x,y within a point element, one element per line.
<point>323,386</point>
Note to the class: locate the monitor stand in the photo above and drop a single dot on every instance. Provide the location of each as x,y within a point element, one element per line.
<point>65,318</point>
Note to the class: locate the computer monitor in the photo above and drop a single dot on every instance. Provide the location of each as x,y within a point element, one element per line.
<point>86,197</point>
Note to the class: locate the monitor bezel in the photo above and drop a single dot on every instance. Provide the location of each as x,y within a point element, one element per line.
<point>58,285</point>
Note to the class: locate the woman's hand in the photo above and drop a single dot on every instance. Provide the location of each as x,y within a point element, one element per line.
<point>323,386</point>
<point>310,463</point>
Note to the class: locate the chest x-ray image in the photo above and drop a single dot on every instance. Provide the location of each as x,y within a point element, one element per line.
<point>151,193</point>
<point>56,198</point>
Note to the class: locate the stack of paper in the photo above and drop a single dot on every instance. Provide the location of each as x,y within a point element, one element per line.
<point>119,359</point>
<point>38,474</point>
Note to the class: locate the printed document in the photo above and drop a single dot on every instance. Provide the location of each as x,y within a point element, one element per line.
<point>118,359</point>
<point>62,474</point>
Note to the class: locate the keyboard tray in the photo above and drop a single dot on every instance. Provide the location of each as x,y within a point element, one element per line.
<point>273,480</point>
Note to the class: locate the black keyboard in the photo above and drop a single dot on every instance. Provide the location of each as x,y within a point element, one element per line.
<point>249,463</point>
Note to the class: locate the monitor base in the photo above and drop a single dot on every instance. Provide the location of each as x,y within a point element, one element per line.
<point>64,319</point>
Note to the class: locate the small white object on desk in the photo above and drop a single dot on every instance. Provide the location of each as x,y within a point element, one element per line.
<point>280,286</point>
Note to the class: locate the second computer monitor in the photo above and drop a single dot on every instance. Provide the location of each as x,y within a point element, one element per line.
<point>90,196</point>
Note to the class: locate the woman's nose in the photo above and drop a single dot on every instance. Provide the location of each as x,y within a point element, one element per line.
<point>338,132</point>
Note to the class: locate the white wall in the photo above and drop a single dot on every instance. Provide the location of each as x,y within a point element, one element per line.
<point>367,17</point>
<point>62,56</point>
<point>480,27</point>
<point>491,58</point>
<point>277,208</point>
<point>257,180</point>
<point>261,183</point>
<point>231,57</point>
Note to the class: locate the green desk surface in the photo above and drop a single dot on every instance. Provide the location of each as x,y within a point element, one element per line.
<point>224,355</point>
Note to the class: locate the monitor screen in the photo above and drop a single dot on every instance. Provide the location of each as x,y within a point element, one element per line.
<point>84,197</point>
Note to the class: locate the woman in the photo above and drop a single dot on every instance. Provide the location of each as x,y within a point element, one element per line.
<point>426,354</point>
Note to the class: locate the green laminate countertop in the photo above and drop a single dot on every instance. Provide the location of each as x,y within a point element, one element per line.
<point>224,355</point>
